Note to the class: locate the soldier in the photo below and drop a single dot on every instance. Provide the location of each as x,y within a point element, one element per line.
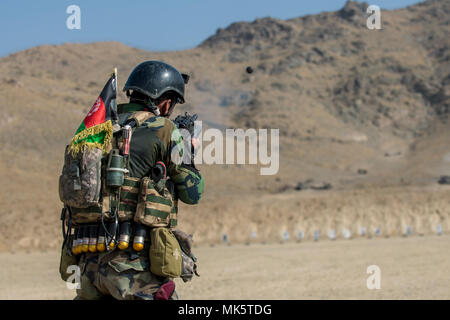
<point>156,87</point>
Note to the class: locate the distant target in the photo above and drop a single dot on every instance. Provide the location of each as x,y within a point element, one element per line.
<point>249,69</point>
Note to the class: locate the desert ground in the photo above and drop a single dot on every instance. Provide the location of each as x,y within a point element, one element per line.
<point>411,268</point>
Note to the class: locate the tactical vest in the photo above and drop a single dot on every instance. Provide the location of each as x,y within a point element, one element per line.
<point>139,200</point>
<point>106,207</point>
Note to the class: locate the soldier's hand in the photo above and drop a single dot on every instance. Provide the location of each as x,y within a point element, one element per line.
<point>195,143</point>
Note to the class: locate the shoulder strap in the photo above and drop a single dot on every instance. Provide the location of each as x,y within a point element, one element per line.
<point>140,117</point>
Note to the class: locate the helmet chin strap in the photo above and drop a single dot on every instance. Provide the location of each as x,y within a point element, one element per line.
<point>169,112</point>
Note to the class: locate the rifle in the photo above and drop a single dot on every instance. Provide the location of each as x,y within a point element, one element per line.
<point>188,122</point>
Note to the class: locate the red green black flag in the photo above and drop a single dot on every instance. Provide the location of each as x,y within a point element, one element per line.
<point>96,130</point>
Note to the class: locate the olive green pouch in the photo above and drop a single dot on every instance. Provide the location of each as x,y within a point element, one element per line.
<point>165,253</point>
<point>67,259</point>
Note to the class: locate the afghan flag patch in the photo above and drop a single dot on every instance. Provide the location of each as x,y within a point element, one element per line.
<point>96,130</point>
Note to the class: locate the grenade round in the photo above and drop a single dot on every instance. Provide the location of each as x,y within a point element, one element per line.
<point>139,236</point>
<point>93,238</point>
<point>101,241</point>
<point>113,233</point>
<point>85,241</point>
<point>75,241</point>
<point>124,237</point>
<point>79,240</point>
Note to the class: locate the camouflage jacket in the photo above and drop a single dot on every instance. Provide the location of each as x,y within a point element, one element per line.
<point>154,141</point>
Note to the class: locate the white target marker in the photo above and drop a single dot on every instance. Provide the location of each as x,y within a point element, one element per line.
<point>408,230</point>
<point>332,234</point>
<point>439,229</point>
<point>347,234</point>
<point>316,235</point>
<point>363,231</point>
<point>377,231</point>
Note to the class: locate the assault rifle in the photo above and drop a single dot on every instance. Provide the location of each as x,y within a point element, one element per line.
<point>187,122</point>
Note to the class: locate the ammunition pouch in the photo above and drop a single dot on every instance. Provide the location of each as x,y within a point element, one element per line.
<point>154,208</point>
<point>128,198</point>
<point>189,261</point>
<point>91,214</point>
<point>129,195</point>
<point>189,267</point>
<point>165,253</point>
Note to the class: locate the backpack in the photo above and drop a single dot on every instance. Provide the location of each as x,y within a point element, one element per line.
<point>82,184</point>
<point>80,180</point>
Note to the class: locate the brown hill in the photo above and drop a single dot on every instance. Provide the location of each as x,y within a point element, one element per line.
<point>344,98</point>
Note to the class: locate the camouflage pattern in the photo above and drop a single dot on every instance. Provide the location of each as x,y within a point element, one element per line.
<point>86,215</point>
<point>126,274</point>
<point>165,141</point>
<point>153,209</point>
<point>141,116</point>
<point>129,195</point>
<point>173,222</point>
<point>122,275</point>
<point>184,239</point>
<point>189,266</point>
<point>189,185</point>
<point>80,181</point>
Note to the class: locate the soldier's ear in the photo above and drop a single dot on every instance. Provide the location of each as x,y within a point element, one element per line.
<point>185,78</point>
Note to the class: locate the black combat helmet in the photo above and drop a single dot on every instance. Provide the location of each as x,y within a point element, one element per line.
<point>153,78</point>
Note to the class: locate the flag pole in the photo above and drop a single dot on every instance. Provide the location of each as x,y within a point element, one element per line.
<point>114,106</point>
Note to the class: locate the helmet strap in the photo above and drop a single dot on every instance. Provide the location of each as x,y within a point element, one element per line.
<point>172,105</point>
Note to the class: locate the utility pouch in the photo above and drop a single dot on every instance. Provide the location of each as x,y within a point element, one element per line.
<point>153,207</point>
<point>67,260</point>
<point>189,261</point>
<point>189,267</point>
<point>129,195</point>
<point>165,253</point>
<point>80,181</point>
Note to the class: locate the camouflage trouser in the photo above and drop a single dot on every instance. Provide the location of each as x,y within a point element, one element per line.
<point>120,275</point>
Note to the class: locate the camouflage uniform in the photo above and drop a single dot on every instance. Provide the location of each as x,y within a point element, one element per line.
<point>122,275</point>
<point>125,274</point>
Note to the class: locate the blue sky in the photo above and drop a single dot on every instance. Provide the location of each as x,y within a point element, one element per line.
<point>151,25</point>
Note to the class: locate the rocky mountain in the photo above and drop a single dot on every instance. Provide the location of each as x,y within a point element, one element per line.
<point>346,99</point>
<point>395,78</point>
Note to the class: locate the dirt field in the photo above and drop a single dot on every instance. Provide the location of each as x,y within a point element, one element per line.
<point>411,268</point>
